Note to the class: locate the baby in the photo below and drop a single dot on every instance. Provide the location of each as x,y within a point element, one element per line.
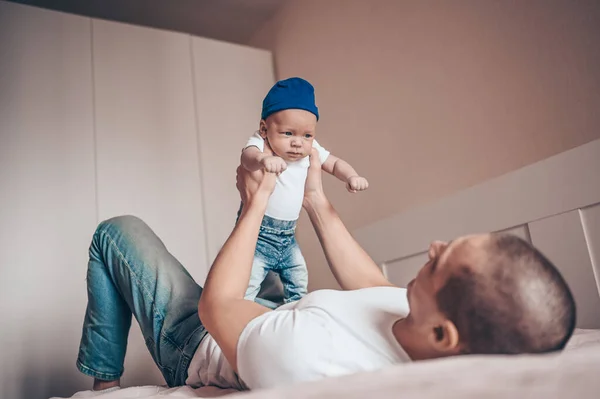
<point>288,127</point>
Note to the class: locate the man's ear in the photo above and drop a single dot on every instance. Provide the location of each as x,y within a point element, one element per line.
<point>262,130</point>
<point>444,337</point>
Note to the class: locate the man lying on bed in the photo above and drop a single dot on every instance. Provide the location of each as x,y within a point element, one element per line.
<point>483,294</point>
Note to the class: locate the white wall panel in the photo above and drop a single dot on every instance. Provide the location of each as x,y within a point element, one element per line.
<point>521,231</point>
<point>590,217</point>
<point>539,198</point>
<point>147,152</point>
<point>47,197</point>
<point>400,272</point>
<point>231,82</point>
<point>561,183</point>
<point>562,240</point>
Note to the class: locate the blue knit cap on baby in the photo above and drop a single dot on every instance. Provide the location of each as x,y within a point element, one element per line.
<point>292,93</point>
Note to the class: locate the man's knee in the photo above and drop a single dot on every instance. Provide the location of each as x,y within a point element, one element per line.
<point>120,224</point>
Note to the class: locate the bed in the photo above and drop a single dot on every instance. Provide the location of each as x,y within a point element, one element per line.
<point>555,204</point>
<point>572,373</point>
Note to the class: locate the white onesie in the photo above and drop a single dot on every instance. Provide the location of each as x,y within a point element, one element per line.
<point>286,201</point>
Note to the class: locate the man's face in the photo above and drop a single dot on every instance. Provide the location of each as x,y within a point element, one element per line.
<point>444,260</point>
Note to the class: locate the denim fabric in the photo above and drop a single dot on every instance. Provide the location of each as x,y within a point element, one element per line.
<point>130,272</point>
<point>278,250</point>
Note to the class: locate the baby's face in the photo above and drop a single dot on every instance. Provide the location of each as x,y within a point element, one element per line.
<point>290,133</point>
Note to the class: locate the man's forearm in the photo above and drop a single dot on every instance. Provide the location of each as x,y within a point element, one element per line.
<point>230,272</point>
<point>352,267</point>
<point>222,307</point>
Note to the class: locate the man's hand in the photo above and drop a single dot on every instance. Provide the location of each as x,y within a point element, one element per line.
<point>313,188</point>
<point>356,184</point>
<point>254,185</point>
<point>273,164</point>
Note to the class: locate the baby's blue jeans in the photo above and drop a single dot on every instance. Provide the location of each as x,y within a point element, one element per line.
<point>278,250</point>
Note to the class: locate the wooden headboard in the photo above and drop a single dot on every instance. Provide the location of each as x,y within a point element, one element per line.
<point>554,204</point>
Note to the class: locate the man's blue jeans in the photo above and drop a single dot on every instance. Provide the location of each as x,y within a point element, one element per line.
<point>130,272</point>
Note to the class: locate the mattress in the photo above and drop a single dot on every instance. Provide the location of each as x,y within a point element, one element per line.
<point>571,373</point>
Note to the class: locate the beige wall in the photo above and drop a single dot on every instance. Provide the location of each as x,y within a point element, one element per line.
<point>427,98</point>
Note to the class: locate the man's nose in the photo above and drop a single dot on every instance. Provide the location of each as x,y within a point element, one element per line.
<point>435,248</point>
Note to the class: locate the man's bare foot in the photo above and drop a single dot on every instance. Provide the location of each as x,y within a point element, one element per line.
<point>100,385</point>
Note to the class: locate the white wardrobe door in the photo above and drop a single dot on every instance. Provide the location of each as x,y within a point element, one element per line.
<point>146,135</point>
<point>231,82</point>
<point>47,197</point>
<point>147,150</point>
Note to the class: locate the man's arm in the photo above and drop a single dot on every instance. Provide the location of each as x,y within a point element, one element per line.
<point>222,307</point>
<point>352,267</point>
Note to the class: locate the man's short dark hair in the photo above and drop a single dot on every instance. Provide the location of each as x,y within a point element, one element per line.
<point>520,304</point>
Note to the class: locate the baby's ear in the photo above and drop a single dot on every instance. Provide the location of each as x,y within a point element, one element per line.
<point>262,129</point>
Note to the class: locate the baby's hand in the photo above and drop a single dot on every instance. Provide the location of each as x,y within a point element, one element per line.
<point>273,164</point>
<point>357,183</point>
